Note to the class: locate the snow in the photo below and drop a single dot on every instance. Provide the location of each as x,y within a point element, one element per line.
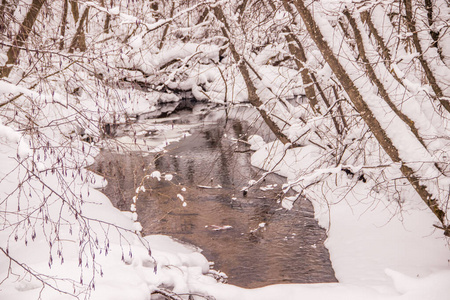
<point>123,268</point>
<point>218,228</point>
<point>288,202</point>
<point>375,253</point>
<point>367,235</point>
<point>156,174</point>
<point>382,241</point>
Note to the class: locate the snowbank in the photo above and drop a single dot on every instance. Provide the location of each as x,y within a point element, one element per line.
<point>61,237</point>
<point>379,249</point>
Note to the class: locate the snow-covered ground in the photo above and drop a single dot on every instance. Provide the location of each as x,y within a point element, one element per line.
<point>377,251</point>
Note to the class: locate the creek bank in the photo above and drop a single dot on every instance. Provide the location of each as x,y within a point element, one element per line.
<point>160,110</point>
<point>249,237</point>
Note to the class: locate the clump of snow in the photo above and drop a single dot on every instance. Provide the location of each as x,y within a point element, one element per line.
<point>256,142</point>
<point>156,174</point>
<point>136,42</point>
<point>218,227</point>
<point>288,202</point>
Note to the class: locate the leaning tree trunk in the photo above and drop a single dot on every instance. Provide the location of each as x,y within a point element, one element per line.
<point>21,37</point>
<point>79,40</point>
<point>411,22</point>
<point>376,81</point>
<point>7,9</point>
<point>367,115</point>
<point>296,49</point>
<point>108,17</point>
<point>308,78</point>
<point>253,97</point>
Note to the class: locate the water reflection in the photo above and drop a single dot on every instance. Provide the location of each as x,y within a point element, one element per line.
<point>250,238</point>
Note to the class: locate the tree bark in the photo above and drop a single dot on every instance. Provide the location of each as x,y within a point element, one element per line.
<point>21,37</point>
<point>434,34</point>
<point>3,17</point>
<point>166,28</point>
<point>63,25</point>
<point>75,11</point>
<point>300,60</point>
<point>428,72</point>
<point>79,40</point>
<point>385,53</point>
<point>308,78</point>
<point>240,9</point>
<point>367,115</point>
<point>253,97</point>
<point>107,19</point>
<point>375,80</point>
<point>107,25</point>
<point>7,9</point>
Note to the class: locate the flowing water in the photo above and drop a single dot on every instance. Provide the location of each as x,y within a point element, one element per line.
<point>249,237</point>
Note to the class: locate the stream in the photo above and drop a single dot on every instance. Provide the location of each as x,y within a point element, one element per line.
<point>247,236</point>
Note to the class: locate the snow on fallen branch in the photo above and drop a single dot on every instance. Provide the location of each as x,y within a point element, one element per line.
<point>209,187</point>
<point>319,172</point>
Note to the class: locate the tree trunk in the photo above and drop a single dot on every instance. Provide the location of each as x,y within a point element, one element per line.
<point>21,37</point>
<point>166,28</point>
<point>3,16</point>
<point>7,9</point>
<point>367,115</point>
<point>296,49</point>
<point>63,25</point>
<point>240,9</point>
<point>428,72</point>
<point>108,17</point>
<point>253,97</point>
<point>75,11</point>
<point>375,80</point>
<point>79,40</point>
<point>434,34</point>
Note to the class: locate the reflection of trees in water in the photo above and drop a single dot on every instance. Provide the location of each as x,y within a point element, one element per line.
<point>261,213</point>
<point>208,154</point>
<point>222,156</point>
<point>115,170</point>
<point>175,164</point>
<point>224,172</point>
<point>241,251</point>
<point>228,161</point>
<point>238,129</point>
<point>159,161</point>
<point>190,170</point>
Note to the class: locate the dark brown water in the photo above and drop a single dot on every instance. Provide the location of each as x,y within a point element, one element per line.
<point>250,238</point>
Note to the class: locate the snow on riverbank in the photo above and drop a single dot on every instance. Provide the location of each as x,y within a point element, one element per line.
<point>61,238</point>
<point>381,248</point>
<point>376,254</point>
<point>54,247</point>
<point>391,249</point>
